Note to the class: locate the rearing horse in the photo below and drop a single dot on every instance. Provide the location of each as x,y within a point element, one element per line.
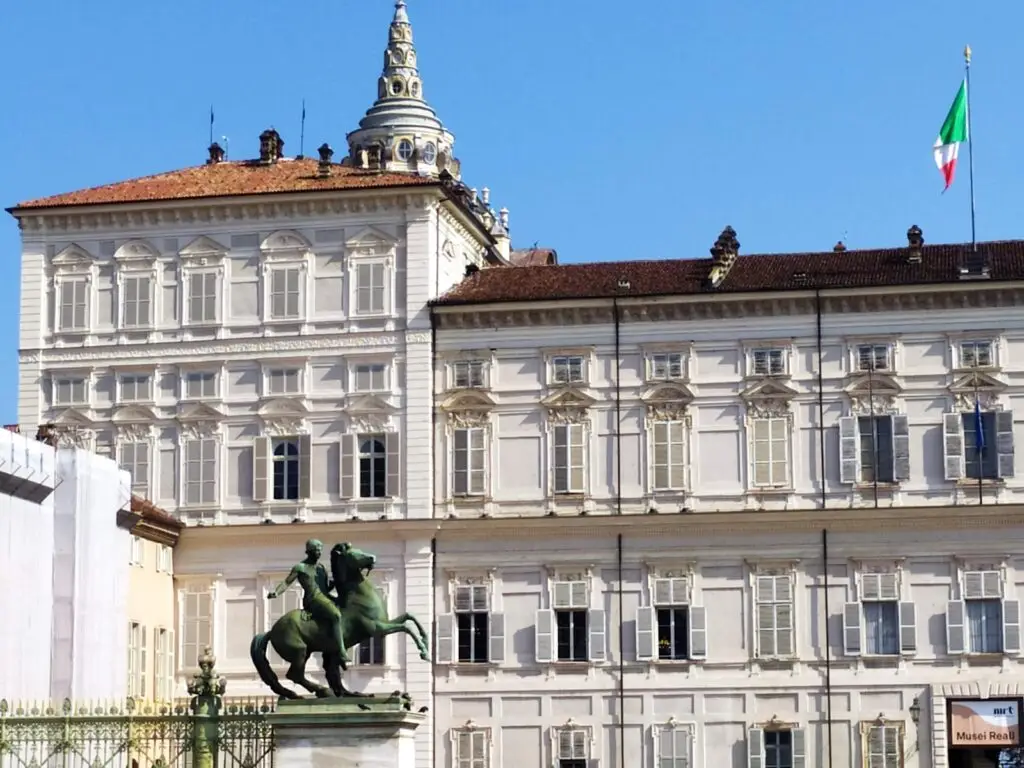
<point>296,635</point>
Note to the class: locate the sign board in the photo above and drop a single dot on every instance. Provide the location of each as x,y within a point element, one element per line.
<point>984,723</point>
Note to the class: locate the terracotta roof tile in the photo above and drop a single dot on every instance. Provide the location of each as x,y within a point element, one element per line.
<point>533,257</point>
<point>757,272</point>
<point>228,179</point>
<point>150,511</point>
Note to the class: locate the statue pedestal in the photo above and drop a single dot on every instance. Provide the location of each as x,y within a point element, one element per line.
<point>344,733</point>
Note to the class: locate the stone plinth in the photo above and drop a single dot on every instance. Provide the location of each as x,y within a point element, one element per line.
<point>345,733</point>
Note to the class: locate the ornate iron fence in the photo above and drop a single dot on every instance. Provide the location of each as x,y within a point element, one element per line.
<point>205,731</point>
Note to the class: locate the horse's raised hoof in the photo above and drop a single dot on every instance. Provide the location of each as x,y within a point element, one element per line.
<point>323,693</point>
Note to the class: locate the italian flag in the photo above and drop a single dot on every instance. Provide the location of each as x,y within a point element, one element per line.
<point>953,132</point>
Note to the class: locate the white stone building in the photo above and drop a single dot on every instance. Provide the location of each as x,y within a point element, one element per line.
<point>746,514</point>
<point>64,551</point>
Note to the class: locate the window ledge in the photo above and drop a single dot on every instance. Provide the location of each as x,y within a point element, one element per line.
<point>469,499</point>
<point>675,663</point>
<point>985,658</point>
<point>482,667</point>
<point>986,482</point>
<point>770,491</point>
<point>882,486</point>
<point>572,666</point>
<point>284,320</point>
<point>762,376</point>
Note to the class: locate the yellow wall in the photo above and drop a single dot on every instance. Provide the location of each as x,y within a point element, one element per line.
<point>151,608</point>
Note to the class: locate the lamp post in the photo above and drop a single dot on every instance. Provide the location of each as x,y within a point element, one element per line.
<point>915,717</point>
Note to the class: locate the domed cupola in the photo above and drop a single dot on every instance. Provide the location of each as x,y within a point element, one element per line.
<point>401,132</point>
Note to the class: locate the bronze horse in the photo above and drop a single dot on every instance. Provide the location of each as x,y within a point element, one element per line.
<point>297,635</point>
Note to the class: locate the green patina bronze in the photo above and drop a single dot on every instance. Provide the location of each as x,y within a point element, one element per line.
<point>329,624</point>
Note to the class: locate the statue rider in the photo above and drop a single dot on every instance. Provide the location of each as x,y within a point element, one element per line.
<point>316,600</point>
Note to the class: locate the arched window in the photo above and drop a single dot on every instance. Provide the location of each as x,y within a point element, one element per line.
<point>286,469</point>
<point>373,470</point>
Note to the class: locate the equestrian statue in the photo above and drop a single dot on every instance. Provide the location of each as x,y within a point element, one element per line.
<point>329,624</point>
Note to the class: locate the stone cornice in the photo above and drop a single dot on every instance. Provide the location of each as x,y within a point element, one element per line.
<point>937,298</point>
<point>689,525</point>
<point>460,228</point>
<point>205,211</point>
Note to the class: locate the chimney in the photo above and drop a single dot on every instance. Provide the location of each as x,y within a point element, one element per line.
<point>839,247</point>
<point>503,218</point>
<point>723,256</point>
<point>485,196</point>
<point>471,269</point>
<point>216,154</point>
<point>915,242</point>
<point>323,168</point>
<point>271,147</point>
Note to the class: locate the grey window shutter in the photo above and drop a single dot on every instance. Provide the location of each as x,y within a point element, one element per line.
<point>900,448</point>
<point>849,450</point>
<point>496,635</point>
<point>261,469</point>
<point>394,464</point>
<point>755,748</point>
<point>645,623</point>
<point>953,445</point>
<point>1011,626</point>
<point>1004,442</point>
<point>799,736</point>
<point>698,632</point>
<point>955,644</point>
<point>445,638</point>
<point>908,627</point>
<point>598,639</point>
<point>543,630</point>
<point>851,629</point>
<point>305,466</point>
<point>348,466</point>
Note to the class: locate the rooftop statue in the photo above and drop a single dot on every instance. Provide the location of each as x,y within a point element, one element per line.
<point>329,624</point>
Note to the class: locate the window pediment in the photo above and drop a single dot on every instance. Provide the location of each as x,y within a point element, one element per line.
<point>468,400</point>
<point>72,417</point>
<point>768,389</point>
<point>567,398</point>
<point>876,393</point>
<point>667,402</point>
<point>136,250</point>
<point>282,406</point>
<point>371,241</point>
<point>203,247</point>
<point>199,412</point>
<point>285,240</point>
<point>976,380</point>
<point>73,256</point>
<point>369,403</point>
<point>133,414</point>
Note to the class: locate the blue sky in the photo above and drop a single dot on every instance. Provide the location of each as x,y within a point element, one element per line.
<point>610,130</point>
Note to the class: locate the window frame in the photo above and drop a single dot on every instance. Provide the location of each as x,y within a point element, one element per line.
<point>660,732</point>
<point>73,280</point>
<point>869,757</point>
<point>291,480</point>
<point>378,461</point>
<point>478,610</point>
<point>567,488</point>
<point>124,277</point>
<point>681,446</point>
<point>864,351</point>
<point>385,373</point>
<point>283,375</point>
<point>471,473</point>
<point>770,419</point>
<point>471,366</point>
<point>136,377</point>
<point>653,361</point>
<point>204,461</point>
<point>386,275</point>
<point>472,732</point>
<point>137,660</point>
<point>188,376</point>
<point>963,360</point>
<point>138,487</point>
<point>72,381</point>
<point>202,592</point>
<point>560,360</point>
<point>788,576</point>
<point>215,300</point>
<point>768,352</point>
<point>284,270</point>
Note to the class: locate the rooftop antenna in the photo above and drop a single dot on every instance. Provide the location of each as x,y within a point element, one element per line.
<point>302,132</point>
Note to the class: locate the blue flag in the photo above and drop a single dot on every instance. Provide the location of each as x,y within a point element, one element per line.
<point>979,428</point>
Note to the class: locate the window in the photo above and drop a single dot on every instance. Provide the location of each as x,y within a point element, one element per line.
<point>773,615</point>
<point>980,461</point>
<point>371,378</point>
<point>567,369</point>
<point>469,461</point>
<point>136,660</point>
<point>136,310</point>
<point>776,748</point>
<point>370,279</point>
<point>165,560</point>
<point>73,307</point>
<point>136,556</point>
<point>976,354</point>
<point>569,459</point>
<point>69,392</point>
<point>571,599</point>
<point>889,626</point>
<point>671,603</point>
<point>873,357</point>
<point>283,382</point>
<point>136,389</point>
<point>134,457</point>
<point>770,447</point>
<point>201,471</point>
<point>768,362</point>
<point>371,652</point>
<point>674,746</point>
<point>874,449</point>
<point>978,445</point>
<point>199,386</point>
<point>287,463</point>
<point>471,749</point>
<point>202,297</point>
<point>982,621</point>
<point>373,470</point>
<point>472,617</point>
<point>163,672</point>
<point>468,373</point>
<point>197,625</point>
<point>668,439</point>
<point>665,366</point>
<point>883,746</point>
<point>573,748</point>
<point>284,293</point>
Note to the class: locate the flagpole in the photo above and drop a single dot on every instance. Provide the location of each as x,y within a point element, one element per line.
<point>979,443</point>
<point>970,142</point>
